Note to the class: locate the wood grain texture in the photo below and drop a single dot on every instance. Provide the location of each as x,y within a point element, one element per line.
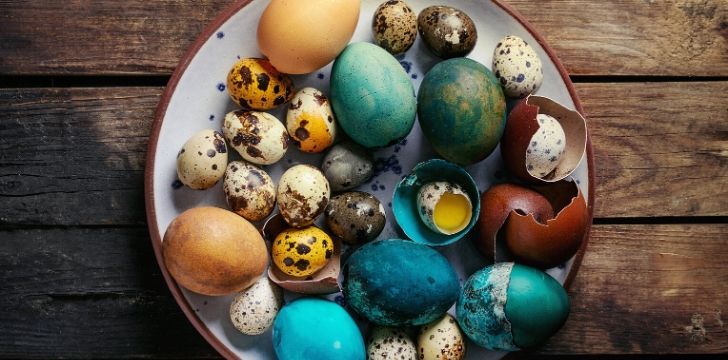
<point>619,37</point>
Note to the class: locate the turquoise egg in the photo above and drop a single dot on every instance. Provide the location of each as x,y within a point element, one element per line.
<point>313,328</point>
<point>509,306</point>
<point>399,283</point>
<point>462,110</point>
<point>372,96</point>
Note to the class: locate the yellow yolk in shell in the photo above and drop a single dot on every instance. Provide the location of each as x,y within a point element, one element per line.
<point>452,212</point>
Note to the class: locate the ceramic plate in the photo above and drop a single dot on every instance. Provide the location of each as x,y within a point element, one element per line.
<point>196,99</point>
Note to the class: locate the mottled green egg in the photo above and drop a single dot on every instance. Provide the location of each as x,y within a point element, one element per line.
<point>462,110</point>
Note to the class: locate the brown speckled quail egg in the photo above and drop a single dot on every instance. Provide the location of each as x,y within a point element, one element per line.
<point>517,67</point>
<point>258,137</point>
<point>546,147</point>
<point>303,193</point>
<point>447,31</point>
<point>249,191</point>
<point>310,121</point>
<point>386,343</point>
<point>201,161</point>
<point>444,207</point>
<point>356,217</point>
<point>441,339</point>
<point>347,165</point>
<point>394,26</point>
<point>253,309</point>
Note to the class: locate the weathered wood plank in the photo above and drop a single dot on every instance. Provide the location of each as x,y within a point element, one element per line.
<point>622,37</point>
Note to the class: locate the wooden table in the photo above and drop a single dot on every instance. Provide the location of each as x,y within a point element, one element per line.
<point>79,82</point>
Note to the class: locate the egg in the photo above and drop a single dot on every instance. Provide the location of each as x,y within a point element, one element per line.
<point>386,343</point>
<point>444,207</point>
<point>372,96</point>
<point>258,137</point>
<point>310,121</point>
<point>462,110</point>
<point>302,36</point>
<point>517,67</point>
<point>441,339</point>
<point>356,217</point>
<point>509,306</point>
<point>313,328</point>
<point>302,252</point>
<point>347,165</point>
<point>253,310</point>
<point>303,193</point>
<point>546,147</point>
<point>255,84</point>
<point>249,191</point>
<point>394,26</point>
<point>201,161</point>
<point>447,31</point>
<point>399,283</point>
<point>201,250</point>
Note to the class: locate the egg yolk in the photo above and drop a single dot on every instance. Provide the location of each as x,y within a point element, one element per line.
<point>452,212</point>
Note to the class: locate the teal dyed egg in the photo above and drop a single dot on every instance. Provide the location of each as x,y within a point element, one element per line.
<point>313,328</point>
<point>462,110</point>
<point>399,283</point>
<point>372,96</point>
<point>509,306</point>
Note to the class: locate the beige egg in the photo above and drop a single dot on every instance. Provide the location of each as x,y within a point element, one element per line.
<point>254,309</point>
<point>387,343</point>
<point>441,339</point>
<point>201,161</point>
<point>546,148</point>
<point>394,26</point>
<point>249,191</point>
<point>258,137</point>
<point>303,193</point>
<point>517,67</point>
<point>310,121</point>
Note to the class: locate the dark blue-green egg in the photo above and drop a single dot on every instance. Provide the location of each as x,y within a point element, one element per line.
<point>399,283</point>
<point>313,328</point>
<point>372,96</point>
<point>509,306</point>
<point>462,110</point>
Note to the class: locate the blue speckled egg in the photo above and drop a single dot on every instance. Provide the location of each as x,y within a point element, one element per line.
<point>399,283</point>
<point>372,96</point>
<point>509,306</point>
<point>313,328</point>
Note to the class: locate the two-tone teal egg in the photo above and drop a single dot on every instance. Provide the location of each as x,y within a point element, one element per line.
<point>462,110</point>
<point>509,306</point>
<point>372,96</point>
<point>399,283</point>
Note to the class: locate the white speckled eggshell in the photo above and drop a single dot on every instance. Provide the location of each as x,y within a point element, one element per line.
<point>303,193</point>
<point>310,121</point>
<point>387,343</point>
<point>517,67</point>
<point>441,339</point>
<point>546,147</point>
<point>429,195</point>
<point>201,161</point>
<point>254,309</point>
<point>258,137</point>
<point>249,191</point>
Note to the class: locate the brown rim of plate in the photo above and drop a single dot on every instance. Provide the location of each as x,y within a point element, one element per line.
<point>162,109</point>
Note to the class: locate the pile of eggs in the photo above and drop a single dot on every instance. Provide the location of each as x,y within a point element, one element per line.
<point>289,235</point>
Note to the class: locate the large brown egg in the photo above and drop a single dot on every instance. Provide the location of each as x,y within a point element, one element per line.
<point>213,251</point>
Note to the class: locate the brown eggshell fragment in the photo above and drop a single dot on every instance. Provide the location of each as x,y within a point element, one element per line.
<point>520,128</point>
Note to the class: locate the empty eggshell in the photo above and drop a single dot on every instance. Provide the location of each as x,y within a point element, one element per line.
<point>310,121</point>
<point>388,343</point>
<point>394,26</point>
<point>249,191</point>
<point>441,339</point>
<point>258,137</point>
<point>253,309</point>
<point>201,161</point>
<point>517,67</point>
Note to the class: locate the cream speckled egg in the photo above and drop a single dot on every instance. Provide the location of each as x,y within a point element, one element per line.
<point>441,339</point>
<point>394,26</point>
<point>517,67</point>
<point>546,147</point>
<point>387,343</point>
<point>303,193</point>
<point>258,137</point>
<point>444,207</point>
<point>254,309</point>
<point>310,121</point>
<point>249,191</point>
<point>201,161</point>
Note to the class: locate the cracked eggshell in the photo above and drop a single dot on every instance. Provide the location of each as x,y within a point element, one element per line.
<point>523,129</point>
<point>441,339</point>
<point>310,121</point>
<point>394,26</point>
<point>249,191</point>
<point>517,67</point>
<point>447,31</point>
<point>258,137</point>
<point>303,193</point>
<point>255,84</point>
<point>253,309</point>
<point>430,195</point>
<point>387,343</point>
<point>356,217</point>
<point>201,161</point>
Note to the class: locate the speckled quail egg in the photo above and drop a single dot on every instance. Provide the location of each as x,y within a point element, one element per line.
<point>347,165</point>
<point>356,217</point>
<point>303,193</point>
<point>310,121</point>
<point>255,84</point>
<point>302,252</point>
<point>253,309</point>
<point>394,26</point>
<point>444,207</point>
<point>249,191</point>
<point>386,343</point>
<point>201,161</point>
<point>258,137</point>
<point>441,339</point>
<point>517,67</point>
<point>546,147</point>
<point>447,31</point>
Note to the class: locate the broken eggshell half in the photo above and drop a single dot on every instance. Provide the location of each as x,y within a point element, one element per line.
<point>542,227</point>
<point>323,281</point>
<point>532,145</point>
